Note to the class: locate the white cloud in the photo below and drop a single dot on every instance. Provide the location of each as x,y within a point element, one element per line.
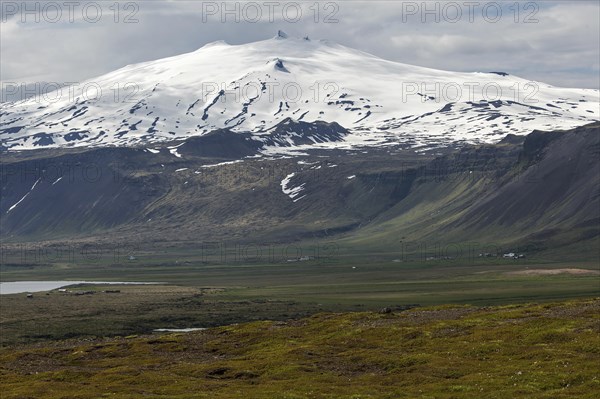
<point>561,49</point>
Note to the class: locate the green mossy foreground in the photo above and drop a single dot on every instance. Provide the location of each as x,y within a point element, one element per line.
<point>518,351</point>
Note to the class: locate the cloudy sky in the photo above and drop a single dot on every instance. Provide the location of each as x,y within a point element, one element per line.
<point>555,42</point>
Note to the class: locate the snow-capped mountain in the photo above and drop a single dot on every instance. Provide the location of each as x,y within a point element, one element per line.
<point>260,87</point>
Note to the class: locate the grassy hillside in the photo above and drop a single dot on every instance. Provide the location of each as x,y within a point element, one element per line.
<point>517,351</point>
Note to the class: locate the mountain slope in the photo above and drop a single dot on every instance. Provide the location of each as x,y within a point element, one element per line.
<point>254,87</point>
<point>541,194</point>
<point>540,190</point>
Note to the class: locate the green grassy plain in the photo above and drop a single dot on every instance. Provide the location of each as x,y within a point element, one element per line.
<point>196,293</point>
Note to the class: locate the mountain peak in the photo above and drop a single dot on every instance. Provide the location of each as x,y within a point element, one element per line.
<point>281,35</point>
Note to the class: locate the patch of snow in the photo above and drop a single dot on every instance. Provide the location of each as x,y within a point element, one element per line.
<point>25,196</point>
<point>294,191</point>
<point>178,329</point>
<point>173,149</point>
<point>221,164</point>
<point>299,198</point>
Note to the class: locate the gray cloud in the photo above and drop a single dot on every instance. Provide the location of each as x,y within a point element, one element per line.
<point>562,48</point>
